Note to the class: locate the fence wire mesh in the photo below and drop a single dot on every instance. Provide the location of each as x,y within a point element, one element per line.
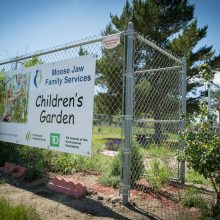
<point>156,122</point>
<point>104,164</point>
<point>213,101</point>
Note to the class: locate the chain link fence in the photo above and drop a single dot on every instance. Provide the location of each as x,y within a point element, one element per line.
<point>158,106</point>
<point>213,101</point>
<point>104,165</point>
<point>139,102</point>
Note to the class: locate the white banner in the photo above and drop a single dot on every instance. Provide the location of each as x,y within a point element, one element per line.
<point>50,106</point>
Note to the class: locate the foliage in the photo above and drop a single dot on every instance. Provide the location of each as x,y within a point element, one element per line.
<point>193,198</point>
<point>29,156</point>
<point>163,151</point>
<point>36,171</point>
<point>157,175</point>
<point>109,78</point>
<point>207,72</point>
<point>114,144</point>
<point>194,177</point>
<point>65,163</point>
<point>172,25</point>
<point>202,151</point>
<point>8,152</point>
<point>38,161</point>
<point>113,173</point>
<point>2,92</point>
<point>33,62</point>
<point>19,212</point>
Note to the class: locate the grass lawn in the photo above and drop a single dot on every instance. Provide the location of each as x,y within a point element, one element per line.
<point>18,212</point>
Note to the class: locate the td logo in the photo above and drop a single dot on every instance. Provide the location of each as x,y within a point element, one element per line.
<point>54,140</point>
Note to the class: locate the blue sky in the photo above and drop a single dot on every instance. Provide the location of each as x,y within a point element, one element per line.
<point>29,25</point>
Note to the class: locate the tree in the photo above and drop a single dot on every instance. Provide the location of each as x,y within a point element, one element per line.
<point>173,26</point>
<point>215,62</point>
<point>109,78</point>
<point>202,151</point>
<point>35,60</point>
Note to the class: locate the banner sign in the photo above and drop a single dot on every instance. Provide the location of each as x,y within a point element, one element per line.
<point>50,106</point>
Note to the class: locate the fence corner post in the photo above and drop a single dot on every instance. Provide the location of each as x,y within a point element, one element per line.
<point>183,122</point>
<point>128,113</point>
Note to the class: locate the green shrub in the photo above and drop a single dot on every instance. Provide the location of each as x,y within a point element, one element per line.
<point>194,177</point>
<point>107,179</point>
<point>157,175</point>
<point>193,198</point>
<point>8,152</point>
<point>34,172</point>
<point>137,164</point>
<point>65,163</point>
<point>202,151</point>
<point>111,176</point>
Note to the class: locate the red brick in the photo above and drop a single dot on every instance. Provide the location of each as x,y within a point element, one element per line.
<point>8,167</point>
<point>19,172</point>
<point>13,169</point>
<point>68,186</point>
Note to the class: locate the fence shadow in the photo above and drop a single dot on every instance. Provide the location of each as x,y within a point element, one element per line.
<point>86,206</point>
<point>142,212</point>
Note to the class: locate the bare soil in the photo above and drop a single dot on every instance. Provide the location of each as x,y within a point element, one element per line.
<point>100,203</point>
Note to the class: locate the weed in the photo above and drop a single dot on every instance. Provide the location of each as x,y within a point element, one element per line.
<point>193,198</point>
<point>194,177</point>
<point>162,151</point>
<point>19,212</point>
<point>157,175</point>
<point>65,163</point>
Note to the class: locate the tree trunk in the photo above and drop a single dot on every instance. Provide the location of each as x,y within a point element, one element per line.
<point>157,127</point>
<point>216,209</point>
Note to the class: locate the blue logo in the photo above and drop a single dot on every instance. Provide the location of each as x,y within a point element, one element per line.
<point>37,78</point>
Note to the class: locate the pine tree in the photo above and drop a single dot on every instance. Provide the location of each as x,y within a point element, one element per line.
<point>173,26</point>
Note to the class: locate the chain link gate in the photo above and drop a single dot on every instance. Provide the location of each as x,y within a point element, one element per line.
<point>214,103</point>
<point>155,105</point>
<point>139,101</point>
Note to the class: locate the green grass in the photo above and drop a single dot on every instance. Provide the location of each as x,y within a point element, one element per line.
<point>194,198</point>
<point>162,151</point>
<point>40,161</point>
<point>18,212</point>
<point>194,177</point>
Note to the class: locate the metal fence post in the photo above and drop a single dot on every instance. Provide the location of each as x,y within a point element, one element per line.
<point>209,96</point>
<point>129,80</point>
<point>16,65</point>
<point>183,122</point>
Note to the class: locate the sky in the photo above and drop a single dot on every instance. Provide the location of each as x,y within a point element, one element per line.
<point>29,25</point>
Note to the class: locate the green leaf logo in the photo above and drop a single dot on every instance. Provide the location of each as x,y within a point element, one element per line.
<point>28,136</point>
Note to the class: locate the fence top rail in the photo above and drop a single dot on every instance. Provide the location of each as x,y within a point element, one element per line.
<point>156,47</point>
<point>158,70</point>
<point>156,121</point>
<point>78,43</point>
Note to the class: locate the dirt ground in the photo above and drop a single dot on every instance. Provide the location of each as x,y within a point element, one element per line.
<point>101,203</point>
<point>104,205</point>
